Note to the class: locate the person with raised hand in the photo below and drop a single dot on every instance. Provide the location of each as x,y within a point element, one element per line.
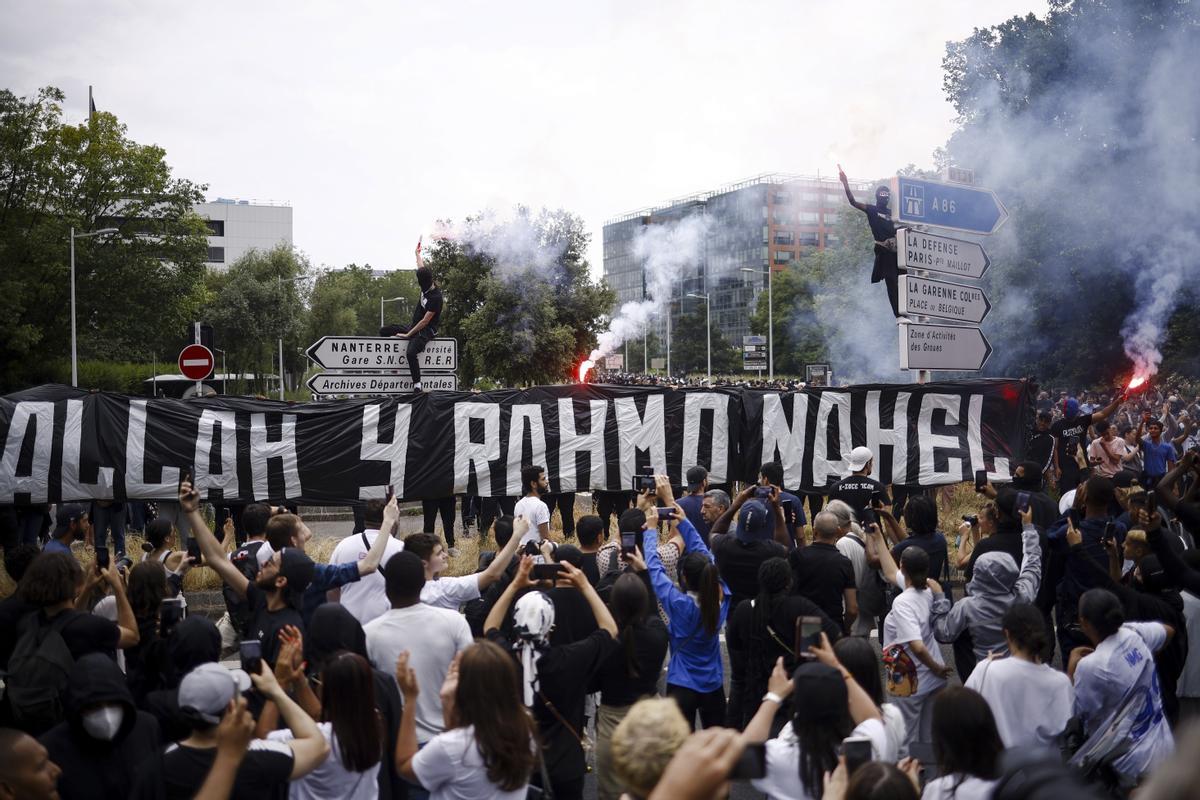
<point>234,735</point>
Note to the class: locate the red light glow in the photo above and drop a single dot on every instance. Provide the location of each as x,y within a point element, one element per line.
<point>1136,383</point>
<point>584,369</point>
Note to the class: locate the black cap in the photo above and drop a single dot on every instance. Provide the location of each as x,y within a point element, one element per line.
<point>695,477</point>
<point>298,568</point>
<point>67,513</point>
<point>1123,479</point>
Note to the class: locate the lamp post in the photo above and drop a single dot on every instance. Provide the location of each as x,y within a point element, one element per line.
<point>74,236</point>
<point>770,320</point>
<point>383,300</point>
<point>707,325</point>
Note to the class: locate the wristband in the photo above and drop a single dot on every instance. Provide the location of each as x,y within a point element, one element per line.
<point>774,698</point>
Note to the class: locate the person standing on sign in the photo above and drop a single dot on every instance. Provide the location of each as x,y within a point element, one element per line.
<point>426,315</point>
<point>883,229</point>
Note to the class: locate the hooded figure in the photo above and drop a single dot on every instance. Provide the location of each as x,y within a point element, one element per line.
<point>104,737</point>
<point>995,586</point>
<point>533,619</point>
<point>194,641</point>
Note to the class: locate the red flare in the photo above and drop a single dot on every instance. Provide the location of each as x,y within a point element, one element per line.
<point>1136,382</point>
<point>584,369</point>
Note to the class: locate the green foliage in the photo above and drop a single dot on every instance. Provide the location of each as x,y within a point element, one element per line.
<point>135,289</point>
<point>689,348</point>
<point>346,302</point>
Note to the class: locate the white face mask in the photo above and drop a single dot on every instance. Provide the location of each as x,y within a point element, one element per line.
<point>103,723</point>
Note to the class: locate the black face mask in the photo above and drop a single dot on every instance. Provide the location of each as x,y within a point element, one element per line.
<point>881,200</point>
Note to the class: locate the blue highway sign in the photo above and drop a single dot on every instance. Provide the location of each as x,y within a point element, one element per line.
<point>946,205</point>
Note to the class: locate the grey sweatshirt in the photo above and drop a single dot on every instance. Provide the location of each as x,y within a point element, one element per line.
<point>995,586</point>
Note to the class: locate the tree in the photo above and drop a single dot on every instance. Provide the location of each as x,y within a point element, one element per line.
<point>135,290</point>
<point>519,298</point>
<point>346,302</point>
<point>689,347</point>
<point>799,337</point>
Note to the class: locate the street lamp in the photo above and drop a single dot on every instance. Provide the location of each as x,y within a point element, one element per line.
<point>770,319</point>
<point>383,300</point>
<point>74,236</point>
<point>708,325</point>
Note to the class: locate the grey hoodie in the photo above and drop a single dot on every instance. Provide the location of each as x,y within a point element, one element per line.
<point>995,586</point>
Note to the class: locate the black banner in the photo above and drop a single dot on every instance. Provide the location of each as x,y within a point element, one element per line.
<point>67,444</point>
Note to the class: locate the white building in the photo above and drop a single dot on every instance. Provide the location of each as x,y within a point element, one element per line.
<point>235,226</point>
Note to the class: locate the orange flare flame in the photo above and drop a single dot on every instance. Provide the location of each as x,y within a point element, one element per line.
<point>584,369</point>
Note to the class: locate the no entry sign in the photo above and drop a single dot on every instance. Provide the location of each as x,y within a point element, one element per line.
<point>196,362</point>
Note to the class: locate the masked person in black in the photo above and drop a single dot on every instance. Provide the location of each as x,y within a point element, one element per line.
<point>427,313</point>
<point>884,231</point>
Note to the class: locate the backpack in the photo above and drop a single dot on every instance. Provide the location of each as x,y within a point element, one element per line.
<point>38,672</point>
<point>900,670</point>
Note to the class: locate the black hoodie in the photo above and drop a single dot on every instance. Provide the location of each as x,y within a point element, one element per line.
<point>194,641</point>
<point>92,768</point>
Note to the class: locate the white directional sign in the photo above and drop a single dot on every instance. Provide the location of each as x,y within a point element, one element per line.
<point>919,250</point>
<point>380,352</point>
<point>929,298</point>
<point>377,383</point>
<point>942,347</point>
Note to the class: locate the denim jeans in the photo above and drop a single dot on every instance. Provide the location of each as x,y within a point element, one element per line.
<point>106,519</point>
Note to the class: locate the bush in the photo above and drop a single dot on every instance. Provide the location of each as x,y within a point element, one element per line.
<point>108,376</point>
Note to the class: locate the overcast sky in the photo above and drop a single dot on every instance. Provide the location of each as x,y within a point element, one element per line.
<point>374,119</point>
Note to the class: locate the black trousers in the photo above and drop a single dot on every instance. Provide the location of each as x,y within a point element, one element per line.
<point>709,705</point>
<point>492,508</point>
<point>416,346</point>
<point>610,504</point>
<point>565,503</point>
<point>443,506</point>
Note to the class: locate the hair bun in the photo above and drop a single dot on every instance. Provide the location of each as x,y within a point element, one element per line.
<point>147,547</point>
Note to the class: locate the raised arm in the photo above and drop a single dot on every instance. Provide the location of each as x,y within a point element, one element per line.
<point>214,554</point>
<point>495,617</point>
<point>391,513</point>
<point>308,745</point>
<point>420,261</point>
<point>1111,408</point>
<point>886,562</point>
<point>1179,573</point>
<point>849,194</point>
<point>503,558</point>
<point>604,617</point>
<point>1030,577</point>
<point>125,619</point>
<point>1166,487</point>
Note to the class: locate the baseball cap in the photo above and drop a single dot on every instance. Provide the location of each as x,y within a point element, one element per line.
<point>208,688</point>
<point>754,521</point>
<point>859,457</point>
<point>823,691</point>
<point>67,513</point>
<point>298,568</point>
<point>696,476</point>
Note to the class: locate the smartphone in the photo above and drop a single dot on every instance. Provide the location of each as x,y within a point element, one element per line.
<point>251,653</point>
<point>857,750</point>
<point>628,542</point>
<point>102,557</point>
<point>868,517</point>
<point>1022,502</point>
<point>1110,531</point>
<point>1151,501</point>
<point>170,613</point>
<point>391,492</point>
<point>545,572</point>
<point>185,476</point>
<point>752,763</point>
<point>789,511</point>
<point>193,551</point>
<point>981,480</point>
<point>1073,515</point>
<point>644,483</point>
<point>665,513</point>
<point>808,634</point>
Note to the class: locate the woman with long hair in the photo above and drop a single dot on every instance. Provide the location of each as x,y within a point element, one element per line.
<point>856,654</point>
<point>828,706</point>
<point>967,747</point>
<point>629,673</point>
<point>350,724</point>
<point>489,747</point>
<point>160,538</point>
<point>145,664</point>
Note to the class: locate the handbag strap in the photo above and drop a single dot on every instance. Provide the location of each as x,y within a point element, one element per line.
<point>546,702</point>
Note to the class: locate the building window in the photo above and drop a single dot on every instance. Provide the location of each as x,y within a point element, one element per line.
<point>808,216</point>
<point>809,239</point>
<point>782,257</point>
<point>831,240</point>
<point>831,217</point>
<point>216,227</point>
<point>782,199</point>
<point>785,239</point>
<point>216,255</point>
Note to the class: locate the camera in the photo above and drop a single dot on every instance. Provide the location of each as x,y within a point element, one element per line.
<point>972,519</point>
<point>644,483</point>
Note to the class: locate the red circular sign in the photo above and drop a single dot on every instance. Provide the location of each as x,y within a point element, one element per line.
<point>196,362</point>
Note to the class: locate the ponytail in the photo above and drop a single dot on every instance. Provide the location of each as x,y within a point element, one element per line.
<point>915,563</point>
<point>157,531</point>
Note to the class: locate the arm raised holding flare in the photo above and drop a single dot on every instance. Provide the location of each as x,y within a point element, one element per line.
<point>849,194</point>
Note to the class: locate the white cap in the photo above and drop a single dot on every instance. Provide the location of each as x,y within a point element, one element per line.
<point>859,457</point>
<point>208,688</point>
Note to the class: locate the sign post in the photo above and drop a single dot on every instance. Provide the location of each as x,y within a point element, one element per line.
<point>953,206</point>
<point>926,297</point>
<point>959,348</point>
<point>754,353</point>
<point>932,253</point>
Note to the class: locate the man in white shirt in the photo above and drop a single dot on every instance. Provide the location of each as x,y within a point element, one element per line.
<point>451,592</point>
<point>433,636</point>
<point>531,507</point>
<point>365,599</point>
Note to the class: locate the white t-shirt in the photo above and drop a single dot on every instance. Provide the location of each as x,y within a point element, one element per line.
<point>330,778</point>
<point>450,767</point>
<point>535,510</point>
<point>862,572</point>
<point>365,598</point>
<point>782,781</point>
<point>1032,703</point>
<point>450,593</point>
<point>1121,668</point>
<point>971,788</point>
<point>1189,681</point>
<point>432,636</point>
<point>908,621</point>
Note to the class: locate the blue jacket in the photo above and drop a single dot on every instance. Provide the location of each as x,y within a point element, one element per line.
<point>695,661</point>
<point>1078,577</point>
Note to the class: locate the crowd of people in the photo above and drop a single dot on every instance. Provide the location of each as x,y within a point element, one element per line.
<point>618,378</point>
<point>833,644</point>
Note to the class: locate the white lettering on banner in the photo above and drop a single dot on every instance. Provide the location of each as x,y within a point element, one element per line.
<point>693,404</point>
<point>227,479</point>
<point>1001,470</point>
<point>523,413</point>
<point>136,484</point>
<point>788,441</point>
<point>896,436</point>
<point>394,452</point>
<point>469,454</point>
<point>823,467</point>
<point>37,482</point>
<point>641,433</point>
<point>930,441</point>
<point>261,449</point>
<point>72,484</point>
<point>570,443</point>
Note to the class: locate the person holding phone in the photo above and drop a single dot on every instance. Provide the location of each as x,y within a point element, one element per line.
<point>967,745</point>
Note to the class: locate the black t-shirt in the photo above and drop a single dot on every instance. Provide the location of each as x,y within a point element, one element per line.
<point>589,567</point>
<point>1070,434</point>
<point>573,617</point>
<point>87,633</point>
<point>430,301</point>
<point>265,625</point>
<point>263,774</point>
<point>934,544</point>
<point>857,491</point>
<point>822,574</point>
<point>245,558</point>
<point>12,610</point>
<point>738,563</point>
<point>616,685</point>
<point>1041,448</point>
<point>1189,516</point>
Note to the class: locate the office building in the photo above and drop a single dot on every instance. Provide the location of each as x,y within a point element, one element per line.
<point>235,226</point>
<point>760,223</point>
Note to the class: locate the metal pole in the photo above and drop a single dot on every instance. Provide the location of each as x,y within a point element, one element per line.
<point>381,312</point>
<point>196,339</point>
<point>74,361</point>
<point>281,368</point>
<point>770,324</point>
<point>224,373</point>
<point>645,354</point>
<point>668,337</point>
<point>154,375</point>
<point>708,322</point>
